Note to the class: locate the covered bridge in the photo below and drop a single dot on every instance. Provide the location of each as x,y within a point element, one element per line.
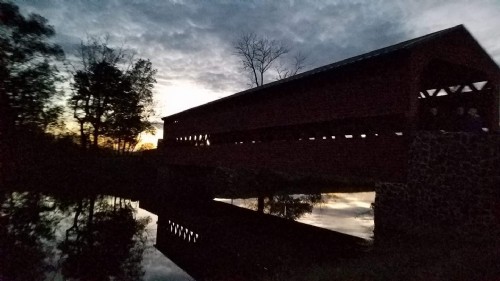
<point>352,118</point>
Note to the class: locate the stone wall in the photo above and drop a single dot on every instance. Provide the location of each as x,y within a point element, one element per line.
<point>452,190</point>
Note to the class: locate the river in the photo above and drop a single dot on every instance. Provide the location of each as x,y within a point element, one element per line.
<point>48,237</point>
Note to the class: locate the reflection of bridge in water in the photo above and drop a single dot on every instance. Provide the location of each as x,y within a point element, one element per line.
<point>217,241</point>
<point>352,119</point>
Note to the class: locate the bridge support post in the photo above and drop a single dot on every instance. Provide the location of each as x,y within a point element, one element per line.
<point>451,191</point>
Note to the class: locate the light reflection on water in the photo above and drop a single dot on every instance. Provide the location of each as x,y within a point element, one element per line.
<point>51,238</point>
<point>349,213</point>
<point>157,266</point>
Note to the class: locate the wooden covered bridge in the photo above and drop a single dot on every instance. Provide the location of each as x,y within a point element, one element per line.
<point>352,118</point>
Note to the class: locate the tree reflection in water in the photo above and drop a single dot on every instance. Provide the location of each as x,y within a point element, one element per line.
<point>101,239</point>
<point>26,225</point>
<point>291,207</point>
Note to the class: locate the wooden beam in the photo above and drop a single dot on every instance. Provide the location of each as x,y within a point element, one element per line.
<point>473,88</point>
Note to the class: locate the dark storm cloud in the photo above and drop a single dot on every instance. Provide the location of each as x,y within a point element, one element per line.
<point>191,40</point>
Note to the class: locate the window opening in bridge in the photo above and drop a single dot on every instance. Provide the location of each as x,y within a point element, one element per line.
<point>450,98</point>
<point>479,85</point>
<point>441,92</point>
<point>454,89</point>
<point>399,133</point>
<point>466,89</point>
<point>304,132</point>
<point>431,92</point>
<point>182,232</point>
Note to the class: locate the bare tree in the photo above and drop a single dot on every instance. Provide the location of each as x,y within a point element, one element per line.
<point>284,71</point>
<point>258,54</point>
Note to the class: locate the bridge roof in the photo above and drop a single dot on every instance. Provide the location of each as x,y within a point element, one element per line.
<point>405,45</point>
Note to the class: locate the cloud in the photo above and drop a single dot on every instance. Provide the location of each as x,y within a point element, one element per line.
<point>192,40</point>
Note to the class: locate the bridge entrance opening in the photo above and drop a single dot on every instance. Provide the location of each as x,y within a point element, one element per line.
<point>448,92</point>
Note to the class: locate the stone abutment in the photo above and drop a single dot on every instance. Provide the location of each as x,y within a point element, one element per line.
<point>452,190</point>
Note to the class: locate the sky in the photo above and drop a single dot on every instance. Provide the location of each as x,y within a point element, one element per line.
<point>190,42</point>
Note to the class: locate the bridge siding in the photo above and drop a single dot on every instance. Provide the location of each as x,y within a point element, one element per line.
<point>238,244</point>
<point>361,92</point>
<point>388,83</point>
<point>382,158</point>
<point>377,88</point>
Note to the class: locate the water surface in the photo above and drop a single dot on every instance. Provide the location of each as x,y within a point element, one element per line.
<point>349,213</point>
<point>44,237</point>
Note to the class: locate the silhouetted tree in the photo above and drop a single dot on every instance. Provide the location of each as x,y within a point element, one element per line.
<point>91,53</point>
<point>28,75</point>
<point>107,101</point>
<point>131,111</point>
<point>259,54</point>
<point>146,146</point>
<point>96,91</point>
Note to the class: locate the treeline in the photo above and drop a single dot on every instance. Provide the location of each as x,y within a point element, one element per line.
<point>109,99</point>
<point>60,121</point>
